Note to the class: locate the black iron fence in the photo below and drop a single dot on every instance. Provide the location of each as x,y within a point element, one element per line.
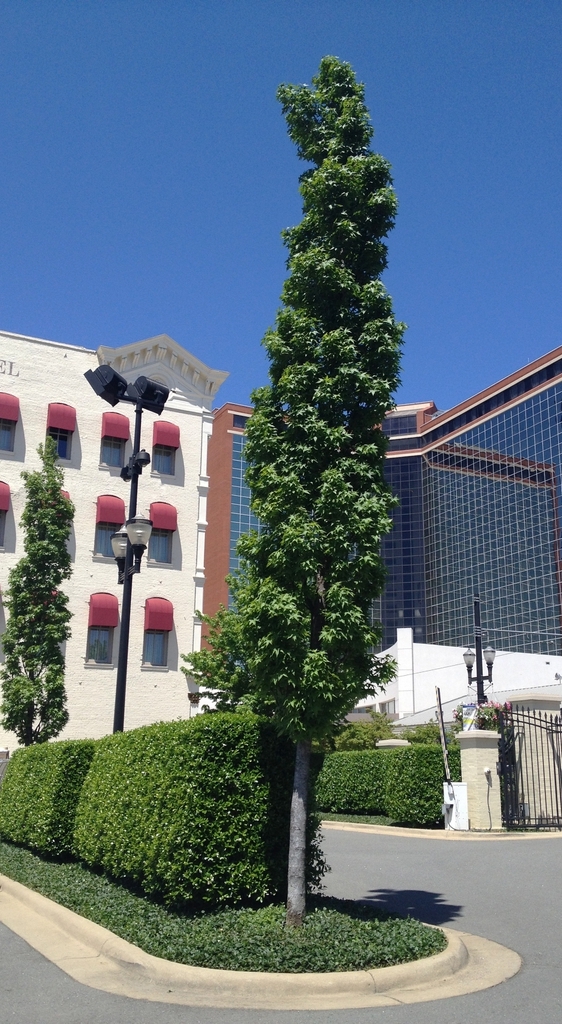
<point>530,769</point>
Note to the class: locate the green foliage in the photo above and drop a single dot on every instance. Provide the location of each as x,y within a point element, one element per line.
<point>483,716</point>
<point>40,792</point>
<point>336,936</point>
<point>364,735</point>
<point>426,733</point>
<point>315,455</point>
<point>362,819</point>
<point>404,783</point>
<point>353,781</point>
<point>414,784</point>
<point>33,694</point>
<point>192,811</point>
<point>221,667</point>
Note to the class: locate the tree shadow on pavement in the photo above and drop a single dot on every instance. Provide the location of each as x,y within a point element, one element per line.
<point>430,907</point>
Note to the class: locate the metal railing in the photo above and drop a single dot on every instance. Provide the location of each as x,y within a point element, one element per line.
<point>530,769</point>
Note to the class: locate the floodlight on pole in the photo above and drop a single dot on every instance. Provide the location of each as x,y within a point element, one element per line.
<point>130,542</point>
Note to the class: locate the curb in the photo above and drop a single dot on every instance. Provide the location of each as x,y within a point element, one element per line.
<point>94,956</point>
<point>429,833</point>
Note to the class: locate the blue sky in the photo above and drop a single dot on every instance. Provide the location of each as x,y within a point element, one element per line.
<point>146,174</point>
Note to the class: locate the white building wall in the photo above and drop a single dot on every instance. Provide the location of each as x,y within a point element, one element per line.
<point>40,372</point>
<point>422,667</point>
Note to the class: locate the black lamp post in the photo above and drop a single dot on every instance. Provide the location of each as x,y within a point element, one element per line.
<point>470,657</point>
<point>130,542</point>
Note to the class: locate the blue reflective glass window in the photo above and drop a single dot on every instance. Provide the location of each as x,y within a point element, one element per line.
<point>160,546</point>
<point>62,438</point>
<point>100,642</point>
<point>163,460</point>
<point>155,651</point>
<point>7,434</point>
<point>112,449</point>
<point>103,538</point>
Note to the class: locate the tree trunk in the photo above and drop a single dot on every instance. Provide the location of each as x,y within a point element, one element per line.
<point>296,878</point>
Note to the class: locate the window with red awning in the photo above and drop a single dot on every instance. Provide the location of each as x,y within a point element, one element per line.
<point>61,417</point>
<point>159,614</point>
<point>166,434</point>
<point>9,407</point>
<point>4,496</point>
<point>163,516</point>
<point>113,424</point>
<point>104,610</point>
<point>110,509</point>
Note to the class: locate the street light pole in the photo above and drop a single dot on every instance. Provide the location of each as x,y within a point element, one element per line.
<point>470,657</point>
<point>480,695</point>
<point>123,657</point>
<point>149,394</point>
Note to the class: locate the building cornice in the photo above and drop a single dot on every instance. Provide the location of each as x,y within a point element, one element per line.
<point>164,359</point>
<point>501,385</point>
<point>45,341</point>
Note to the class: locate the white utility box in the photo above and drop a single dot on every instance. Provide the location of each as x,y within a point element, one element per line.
<point>455,806</point>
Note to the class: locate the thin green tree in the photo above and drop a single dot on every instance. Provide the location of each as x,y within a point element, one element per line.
<point>33,692</point>
<point>301,639</point>
<point>314,448</point>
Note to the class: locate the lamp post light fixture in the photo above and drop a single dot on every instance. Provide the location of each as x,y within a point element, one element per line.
<point>470,657</point>
<point>137,531</point>
<point>131,541</point>
<point>119,542</point>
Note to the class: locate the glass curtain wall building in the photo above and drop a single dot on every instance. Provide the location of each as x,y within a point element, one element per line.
<point>479,490</point>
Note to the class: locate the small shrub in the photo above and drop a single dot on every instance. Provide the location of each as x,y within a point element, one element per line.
<point>353,781</point>
<point>193,812</point>
<point>428,732</point>
<point>364,735</point>
<point>414,784</point>
<point>40,793</point>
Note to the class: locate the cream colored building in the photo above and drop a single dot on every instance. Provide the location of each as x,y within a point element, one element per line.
<point>42,388</point>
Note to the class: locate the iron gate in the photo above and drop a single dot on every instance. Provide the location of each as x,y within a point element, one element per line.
<point>530,769</point>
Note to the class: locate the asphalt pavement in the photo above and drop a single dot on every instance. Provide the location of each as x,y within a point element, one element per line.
<point>507,891</point>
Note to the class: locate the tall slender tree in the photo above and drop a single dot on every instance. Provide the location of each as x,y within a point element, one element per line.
<point>301,639</point>
<point>33,693</point>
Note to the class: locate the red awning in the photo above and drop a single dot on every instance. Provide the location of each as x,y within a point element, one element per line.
<point>113,424</point>
<point>163,515</point>
<point>62,417</point>
<point>159,614</point>
<point>110,510</point>
<point>9,407</point>
<point>167,434</point>
<point>4,497</point>
<point>104,610</point>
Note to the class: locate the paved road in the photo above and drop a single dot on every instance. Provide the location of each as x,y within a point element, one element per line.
<point>507,891</point>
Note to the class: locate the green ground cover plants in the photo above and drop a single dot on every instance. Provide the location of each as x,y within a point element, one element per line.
<point>365,819</point>
<point>336,936</point>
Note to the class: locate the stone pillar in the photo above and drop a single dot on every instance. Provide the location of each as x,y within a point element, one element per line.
<point>479,751</point>
<point>534,701</point>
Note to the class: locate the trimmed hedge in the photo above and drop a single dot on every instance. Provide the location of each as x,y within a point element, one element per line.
<point>404,783</point>
<point>353,782</point>
<point>414,784</point>
<point>40,793</point>
<point>193,811</point>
